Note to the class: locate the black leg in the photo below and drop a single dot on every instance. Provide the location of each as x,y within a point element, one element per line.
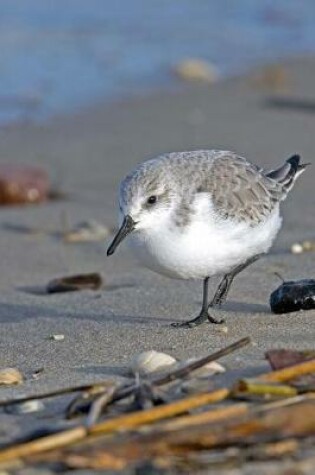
<point>225,284</point>
<point>203,315</point>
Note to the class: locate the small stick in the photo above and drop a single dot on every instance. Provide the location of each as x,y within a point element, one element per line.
<point>214,415</point>
<point>42,444</point>
<point>98,406</point>
<point>56,392</point>
<point>261,388</point>
<point>138,418</point>
<point>291,372</point>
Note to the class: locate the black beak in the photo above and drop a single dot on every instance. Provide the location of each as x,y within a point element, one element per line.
<point>127,226</point>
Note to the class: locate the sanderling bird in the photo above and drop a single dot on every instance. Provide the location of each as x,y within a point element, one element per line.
<point>197,214</point>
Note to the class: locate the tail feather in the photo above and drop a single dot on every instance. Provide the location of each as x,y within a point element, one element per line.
<point>288,173</point>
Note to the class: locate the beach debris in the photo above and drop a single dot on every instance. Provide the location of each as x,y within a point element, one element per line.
<point>10,376</point>
<point>34,405</point>
<point>151,361</point>
<point>23,184</point>
<point>57,337</point>
<point>72,283</point>
<point>87,231</point>
<point>292,296</point>
<point>305,246</point>
<point>172,428</point>
<point>195,69</point>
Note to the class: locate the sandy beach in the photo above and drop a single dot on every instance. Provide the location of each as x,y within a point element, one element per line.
<point>86,155</point>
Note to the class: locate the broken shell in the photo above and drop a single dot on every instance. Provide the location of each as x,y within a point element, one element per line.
<point>57,337</point>
<point>10,376</point>
<point>208,369</point>
<point>151,361</point>
<point>297,248</point>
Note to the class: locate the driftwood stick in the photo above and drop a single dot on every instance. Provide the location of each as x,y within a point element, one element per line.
<point>291,372</point>
<point>54,393</point>
<point>42,444</point>
<point>138,418</point>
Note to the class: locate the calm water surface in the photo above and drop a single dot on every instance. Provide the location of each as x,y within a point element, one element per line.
<point>57,55</point>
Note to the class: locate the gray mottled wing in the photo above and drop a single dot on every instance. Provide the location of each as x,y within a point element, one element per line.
<point>240,190</point>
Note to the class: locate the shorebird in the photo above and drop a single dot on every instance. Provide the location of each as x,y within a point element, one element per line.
<point>197,214</point>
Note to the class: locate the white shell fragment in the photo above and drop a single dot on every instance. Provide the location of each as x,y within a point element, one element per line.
<point>206,370</point>
<point>151,361</point>
<point>305,246</point>
<point>296,248</point>
<point>10,376</point>
<point>57,337</point>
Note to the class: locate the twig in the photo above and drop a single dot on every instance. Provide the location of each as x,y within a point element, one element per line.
<point>291,372</point>
<point>56,392</point>
<point>98,406</point>
<point>138,418</point>
<point>256,387</point>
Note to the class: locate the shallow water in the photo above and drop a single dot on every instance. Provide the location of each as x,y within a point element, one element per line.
<point>56,56</point>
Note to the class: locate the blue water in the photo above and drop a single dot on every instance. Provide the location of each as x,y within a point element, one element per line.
<point>58,55</point>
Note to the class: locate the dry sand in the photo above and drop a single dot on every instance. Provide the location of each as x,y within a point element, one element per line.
<point>87,155</point>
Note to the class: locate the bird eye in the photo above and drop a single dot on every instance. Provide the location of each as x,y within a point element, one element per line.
<point>151,200</point>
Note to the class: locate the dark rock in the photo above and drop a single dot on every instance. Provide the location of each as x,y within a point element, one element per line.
<point>292,296</point>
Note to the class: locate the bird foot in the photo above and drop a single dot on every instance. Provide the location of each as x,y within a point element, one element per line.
<point>203,317</point>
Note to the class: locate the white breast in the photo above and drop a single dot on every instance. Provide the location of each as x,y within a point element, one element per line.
<point>206,247</point>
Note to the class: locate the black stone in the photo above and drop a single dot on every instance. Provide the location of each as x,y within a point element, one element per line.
<point>292,296</point>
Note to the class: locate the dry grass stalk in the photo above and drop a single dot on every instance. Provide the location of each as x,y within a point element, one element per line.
<point>291,372</point>
<point>256,387</point>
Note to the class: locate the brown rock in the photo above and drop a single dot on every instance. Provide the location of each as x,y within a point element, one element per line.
<point>22,184</point>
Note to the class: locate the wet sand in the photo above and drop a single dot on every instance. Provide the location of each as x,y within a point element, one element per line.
<point>87,155</point>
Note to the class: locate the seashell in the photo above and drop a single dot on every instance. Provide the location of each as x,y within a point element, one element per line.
<point>10,376</point>
<point>150,361</point>
<point>208,369</point>
<point>297,248</point>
